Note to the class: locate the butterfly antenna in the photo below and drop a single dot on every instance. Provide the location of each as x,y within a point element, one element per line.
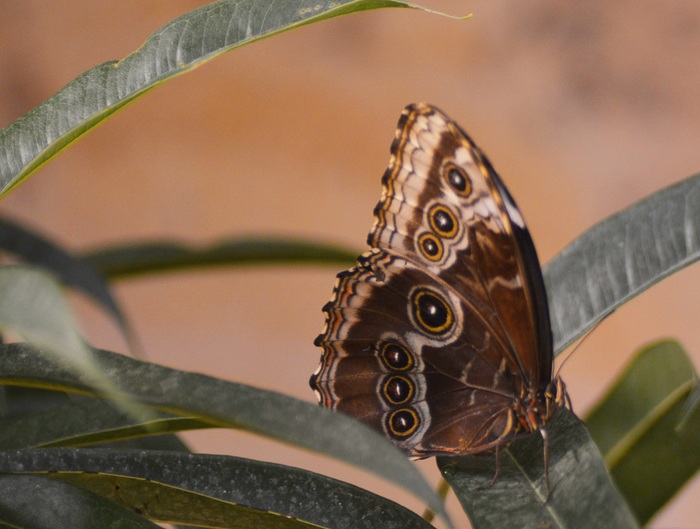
<point>572,351</point>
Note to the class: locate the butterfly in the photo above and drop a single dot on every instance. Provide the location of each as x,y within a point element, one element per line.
<point>440,336</point>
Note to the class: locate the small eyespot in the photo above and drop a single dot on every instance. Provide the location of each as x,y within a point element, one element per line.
<point>397,390</point>
<point>431,311</point>
<point>443,221</point>
<point>430,246</point>
<point>458,180</point>
<point>403,422</point>
<point>396,357</point>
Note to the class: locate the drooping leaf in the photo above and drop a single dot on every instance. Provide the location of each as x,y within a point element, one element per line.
<point>35,249</point>
<point>33,306</point>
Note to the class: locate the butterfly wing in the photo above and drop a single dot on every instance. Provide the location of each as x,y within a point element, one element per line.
<point>444,323</point>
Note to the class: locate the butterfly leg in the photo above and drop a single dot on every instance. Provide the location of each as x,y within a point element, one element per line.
<point>498,469</point>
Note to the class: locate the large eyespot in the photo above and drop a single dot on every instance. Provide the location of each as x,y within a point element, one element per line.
<point>403,422</point>
<point>397,390</point>
<point>396,357</point>
<point>431,311</point>
<point>443,221</point>
<point>430,246</point>
<point>458,180</point>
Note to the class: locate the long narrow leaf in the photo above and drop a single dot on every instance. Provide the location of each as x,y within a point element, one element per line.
<point>33,248</point>
<point>621,257</point>
<point>216,491</point>
<point>86,422</point>
<point>119,262</point>
<point>33,306</point>
<point>225,404</point>
<point>174,49</point>
<point>35,502</point>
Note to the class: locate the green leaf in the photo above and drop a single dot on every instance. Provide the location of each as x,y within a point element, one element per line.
<point>35,502</point>
<point>225,404</point>
<point>83,422</point>
<point>176,48</point>
<point>582,495</point>
<point>621,257</point>
<point>33,306</point>
<point>120,262</point>
<point>216,491</point>
<point>35,249</point>
<point>649,436</point>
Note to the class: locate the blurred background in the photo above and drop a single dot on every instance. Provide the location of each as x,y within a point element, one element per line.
<point>584,108</point>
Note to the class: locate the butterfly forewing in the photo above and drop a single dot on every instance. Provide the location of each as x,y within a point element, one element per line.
<point>440,333</point>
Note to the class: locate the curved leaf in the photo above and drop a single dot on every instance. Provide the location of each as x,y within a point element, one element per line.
<point>225,404</point>
<point>35,249</point>
<point>85,422</point>
<point>582,495</point>
<point>645,430</point>
<point>174,49</point>
<point>621,257</point>
<point>216,491</point>
<point>33,305</point>
<point>117,262</point>
<point>34,502</point>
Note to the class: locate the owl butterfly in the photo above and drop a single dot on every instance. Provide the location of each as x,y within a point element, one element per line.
<point>440,336</point>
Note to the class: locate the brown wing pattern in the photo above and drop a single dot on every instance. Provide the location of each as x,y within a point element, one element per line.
<point>436,335</point>
<point>483,260</point>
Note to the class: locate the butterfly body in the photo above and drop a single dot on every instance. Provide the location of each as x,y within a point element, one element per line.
<point>440,336</point>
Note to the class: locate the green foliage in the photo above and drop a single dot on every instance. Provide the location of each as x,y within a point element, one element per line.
<point>646,428</point>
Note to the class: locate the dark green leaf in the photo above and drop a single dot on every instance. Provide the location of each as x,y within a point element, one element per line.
<point>582,495</point>
<point>35,502</point>
<point>33,305</point>
<point>649,436</point>
<point>621,257</point>
<point>176,48</point>
<point>35,249</point>
<point>159,256</point>
<point>83,422</point>
<point>229,491</point>
<point>225,404</point>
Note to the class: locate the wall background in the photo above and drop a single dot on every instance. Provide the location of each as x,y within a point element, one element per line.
<point>584,108</point>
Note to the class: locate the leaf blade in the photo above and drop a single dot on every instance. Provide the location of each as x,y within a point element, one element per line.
<point>582,494</point>
<point>225,404</point>
<point>645,429</point>
<point>174,49</point>
<point>251,491</point>
<point>621,257</point>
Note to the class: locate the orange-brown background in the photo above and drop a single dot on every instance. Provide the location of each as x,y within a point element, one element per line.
<point>584,108</point>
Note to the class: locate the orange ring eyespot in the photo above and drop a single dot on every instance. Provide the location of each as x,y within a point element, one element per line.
<point>431,247</point>
<point>458,180</point>
<point>395,357</point>
<point>443,221</point>
<point>403,422</point>
<point>397,390</point>
<point>431,311</point>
